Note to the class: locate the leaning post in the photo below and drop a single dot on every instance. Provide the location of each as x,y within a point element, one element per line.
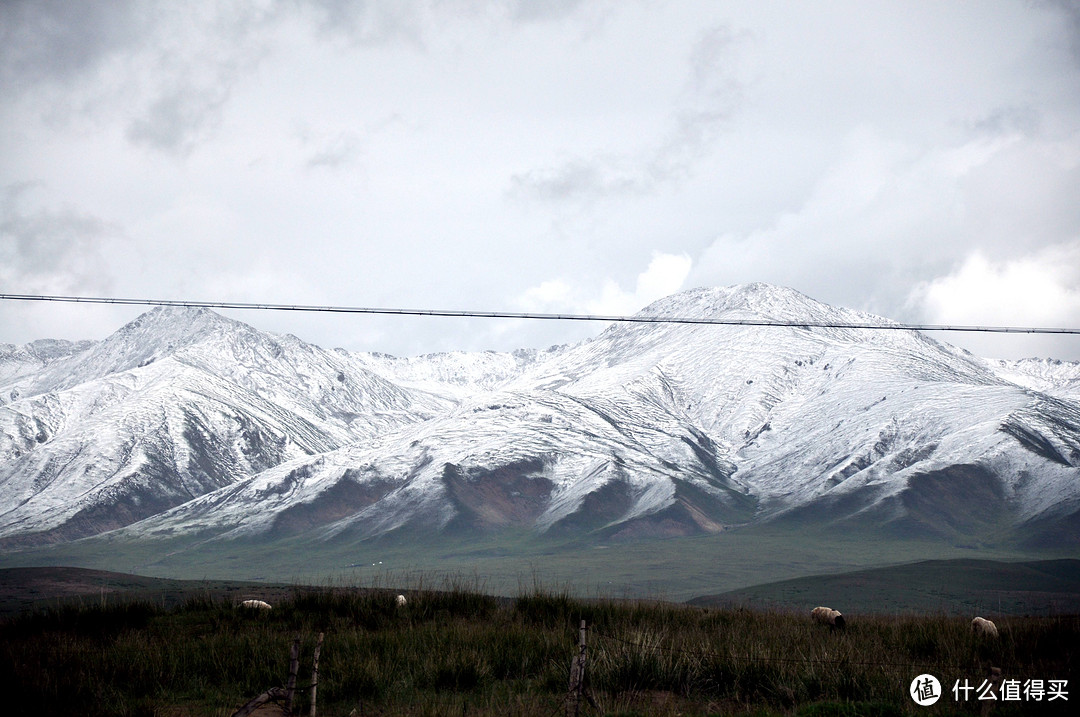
<point>294,667</point>
<point>315,672</point>
<point>577,677</point>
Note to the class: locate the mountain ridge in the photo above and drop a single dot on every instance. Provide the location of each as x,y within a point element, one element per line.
<point>187,423</point>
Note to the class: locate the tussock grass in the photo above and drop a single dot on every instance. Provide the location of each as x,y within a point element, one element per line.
<point>455,650</point>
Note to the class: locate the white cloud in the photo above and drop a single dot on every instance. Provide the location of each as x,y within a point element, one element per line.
<point>665,275</point>
<point>887,213</point>
<point>1039,290</point>
<point>549,293</point>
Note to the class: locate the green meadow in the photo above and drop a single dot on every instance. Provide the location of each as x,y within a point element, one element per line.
<point>455,649</point>
<point>672,569</point>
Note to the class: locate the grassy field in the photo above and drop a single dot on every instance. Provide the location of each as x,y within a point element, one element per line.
<point>961,587</point>
<point>455,650</point>
<point>673,569</point>
<point>25,589</point>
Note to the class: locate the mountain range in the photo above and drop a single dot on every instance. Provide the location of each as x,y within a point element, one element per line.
<point>188,424</point>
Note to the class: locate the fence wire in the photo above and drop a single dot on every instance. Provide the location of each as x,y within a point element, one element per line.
<point>780,660</point>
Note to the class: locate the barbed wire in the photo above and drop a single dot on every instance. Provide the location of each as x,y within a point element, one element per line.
<point>782,660</point>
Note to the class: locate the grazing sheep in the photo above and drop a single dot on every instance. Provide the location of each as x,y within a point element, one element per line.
<point>257,604</point>
<point>827,616</point>
<point>400,600</point>
<point>982,626</point>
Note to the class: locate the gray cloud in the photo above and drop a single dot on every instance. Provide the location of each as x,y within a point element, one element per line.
<point>178,118</point>
<point>185,75</point>
<point>336,152</point>
<point>370,23</point>
<point>1024,119</point>
<point>365,22</point>
<point>60,41</point>
<point>711,61</point>
<point>165,69</point>
<point>50,250</point>
<point>581,179</point>
<point>531,11</point>
<point>853,152</point>
<point>1070,10</point>
<point>711,96</point>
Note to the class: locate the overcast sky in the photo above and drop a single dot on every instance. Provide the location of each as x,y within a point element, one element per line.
<point>919,160</point>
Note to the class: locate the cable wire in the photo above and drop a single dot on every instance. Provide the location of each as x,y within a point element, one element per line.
<point>639,319</point>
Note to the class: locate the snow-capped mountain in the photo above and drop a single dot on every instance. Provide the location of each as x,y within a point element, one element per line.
<point>177,403</point>
<point>187,423</point>
<point>1058,378</point>
<point>19,361</point>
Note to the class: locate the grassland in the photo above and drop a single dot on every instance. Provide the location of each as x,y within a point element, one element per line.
<point>961,587</point>
<point>673,569</point>
<point>457,650</point>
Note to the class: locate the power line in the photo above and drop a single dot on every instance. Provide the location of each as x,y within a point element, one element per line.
<point>638,319</point>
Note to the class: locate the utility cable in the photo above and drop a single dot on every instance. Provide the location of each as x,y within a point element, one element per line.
<point>637,319</point>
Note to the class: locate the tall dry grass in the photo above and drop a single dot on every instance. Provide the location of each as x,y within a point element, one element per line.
<point>456,650</point>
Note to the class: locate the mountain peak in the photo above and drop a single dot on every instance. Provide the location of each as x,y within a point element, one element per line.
<point>646,429</point>
<point>160,332</point>
<point>757,300</point>
<point>151,336</point>
<point>176,321</point>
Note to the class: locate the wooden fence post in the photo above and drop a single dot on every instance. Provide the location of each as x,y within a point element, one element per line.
<point>315,672</point>
<point>287,693</point>
<point>274,693</point>
<point>577,677</point>
<point>294,667</point>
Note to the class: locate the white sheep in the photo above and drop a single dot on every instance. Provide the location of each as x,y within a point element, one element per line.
<point>257,604</point>
<point>400,600</point>
<point>982,626</point>
<point>827,616</point>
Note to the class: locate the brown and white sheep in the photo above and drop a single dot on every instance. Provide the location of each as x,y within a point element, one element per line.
<point>827,616</point>
<point>400,600</point>
<point>256,604</point>
<point>982,626</point>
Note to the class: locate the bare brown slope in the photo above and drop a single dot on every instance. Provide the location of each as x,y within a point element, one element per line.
<point>25,588</point>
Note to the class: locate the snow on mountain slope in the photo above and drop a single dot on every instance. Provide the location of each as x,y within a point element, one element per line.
<point>1059,378</point>
<point>153,335</point>
<point>648,429</point>
<point>499,460</point>
<point>665,429</point>
<point>732,381</point>
<point>455,374</point>
<point>175,404</point>
<point>21,361</point>
<point>839,416</point>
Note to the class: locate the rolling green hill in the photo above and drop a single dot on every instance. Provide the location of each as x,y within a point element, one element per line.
<point>674,569</point>
<point>964,586</point>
